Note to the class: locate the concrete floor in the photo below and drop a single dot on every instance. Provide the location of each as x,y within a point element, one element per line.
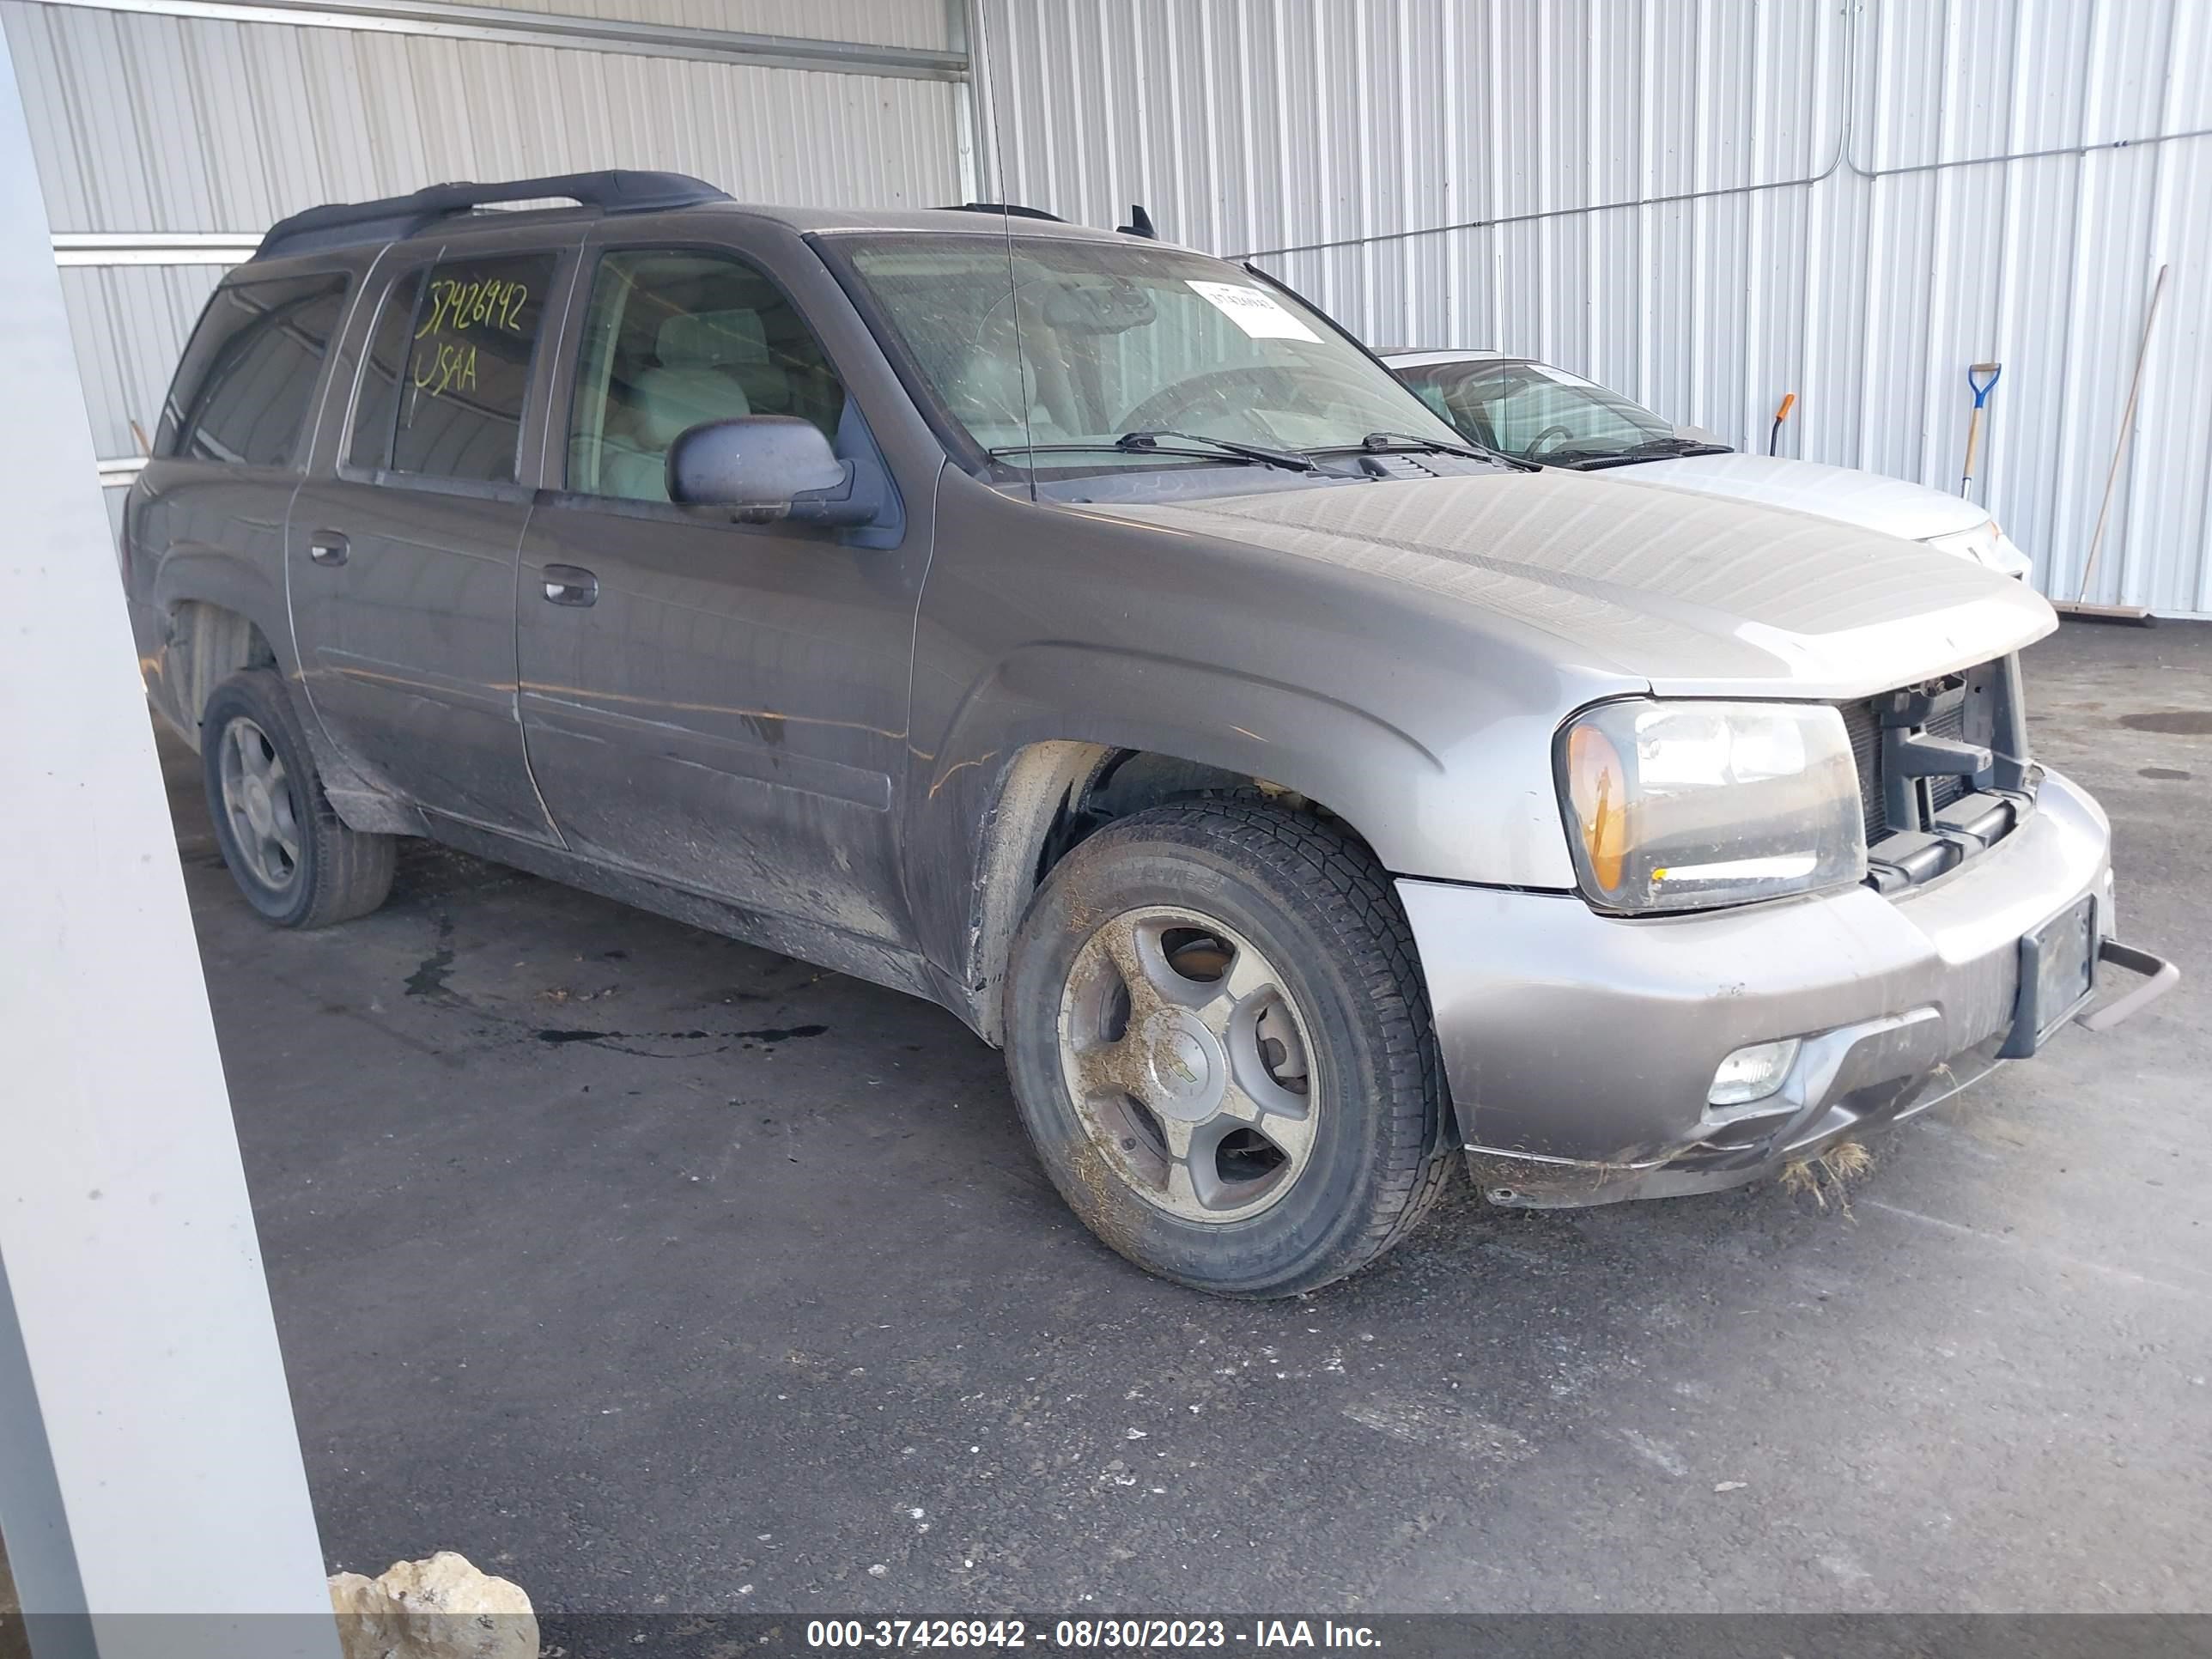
<point>660,1272</point>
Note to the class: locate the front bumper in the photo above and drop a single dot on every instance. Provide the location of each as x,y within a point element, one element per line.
<point>1580,1048</point>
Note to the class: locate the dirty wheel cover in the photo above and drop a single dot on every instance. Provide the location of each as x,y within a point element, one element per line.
<point>262,805</point>
<point>1187,1062</point>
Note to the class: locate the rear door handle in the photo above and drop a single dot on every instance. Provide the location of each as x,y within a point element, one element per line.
<point>570,584</point>
<point>327,547</point>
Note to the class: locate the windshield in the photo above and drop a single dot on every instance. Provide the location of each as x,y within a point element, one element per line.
<point>1122,337</point>
<point>1545,414</point>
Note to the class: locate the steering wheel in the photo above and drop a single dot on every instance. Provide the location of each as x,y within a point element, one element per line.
<point>1167,406</point>
<point>1545,437</point>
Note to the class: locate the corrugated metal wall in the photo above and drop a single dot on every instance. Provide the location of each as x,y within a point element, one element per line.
<point>152,124</point>
<point>1707,203</point>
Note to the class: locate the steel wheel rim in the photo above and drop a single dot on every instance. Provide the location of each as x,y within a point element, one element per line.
<point>258,803</point>
<point>1189,1064</point>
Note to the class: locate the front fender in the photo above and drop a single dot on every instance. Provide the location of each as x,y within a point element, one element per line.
<point>1203,712</point>
<point>1034,731</point>
<point>1042,628</point>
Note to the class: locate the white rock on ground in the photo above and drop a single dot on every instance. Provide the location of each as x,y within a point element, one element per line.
<point>440,1608</point>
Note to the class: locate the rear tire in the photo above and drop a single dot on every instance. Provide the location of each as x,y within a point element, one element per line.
<point>1219,1040</point>
<point>297,863</point>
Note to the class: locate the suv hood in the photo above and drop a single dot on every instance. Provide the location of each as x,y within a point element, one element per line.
<point>1844,493</point>
<point>1693,594</point>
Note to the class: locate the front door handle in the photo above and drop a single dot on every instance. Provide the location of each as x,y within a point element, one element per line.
<point>327,547</point>
<point>570,584</point>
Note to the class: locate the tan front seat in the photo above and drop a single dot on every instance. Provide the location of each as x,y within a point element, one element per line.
<point>694,383</point>
<point>991,395</point>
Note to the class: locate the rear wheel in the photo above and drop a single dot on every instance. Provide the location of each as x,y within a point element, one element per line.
<point>1220,1043</point>
<point>297,863</point>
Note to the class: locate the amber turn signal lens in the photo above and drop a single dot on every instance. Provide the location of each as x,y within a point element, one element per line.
<point>1597,784</point>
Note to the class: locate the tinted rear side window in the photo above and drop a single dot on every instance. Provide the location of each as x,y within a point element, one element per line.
<point>468,368</point>
<point>242,392</point>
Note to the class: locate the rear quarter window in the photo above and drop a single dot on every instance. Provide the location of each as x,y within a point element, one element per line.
<point>243,392</point>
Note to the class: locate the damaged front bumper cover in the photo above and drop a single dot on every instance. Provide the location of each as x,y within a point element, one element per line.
<point>1581,1048</point>
<point>1817,1108</point>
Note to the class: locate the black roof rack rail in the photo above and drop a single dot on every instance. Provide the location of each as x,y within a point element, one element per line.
<point>616,191</point>
<point>1013,208</point>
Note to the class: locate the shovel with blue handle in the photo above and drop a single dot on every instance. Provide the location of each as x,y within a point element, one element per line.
<point>1981,379</point>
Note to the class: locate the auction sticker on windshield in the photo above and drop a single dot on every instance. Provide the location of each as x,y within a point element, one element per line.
<point>1253,311</point>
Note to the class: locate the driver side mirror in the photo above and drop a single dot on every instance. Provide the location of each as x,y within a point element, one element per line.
<point>767,467</point>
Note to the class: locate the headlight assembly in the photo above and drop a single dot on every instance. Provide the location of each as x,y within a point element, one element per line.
<point>1688,806</point>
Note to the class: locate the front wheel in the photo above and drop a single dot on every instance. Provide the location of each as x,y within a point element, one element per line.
<point>1219,1041</point>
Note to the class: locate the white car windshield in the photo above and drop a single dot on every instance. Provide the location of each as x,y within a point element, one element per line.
<point>1545,414</point>
<point>1193,356</point>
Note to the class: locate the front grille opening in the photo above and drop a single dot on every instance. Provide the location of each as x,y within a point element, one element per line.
<point>1865,729</point>
<point>1949,720</point>
<point>1862,721</point>
<point>1926,820</point>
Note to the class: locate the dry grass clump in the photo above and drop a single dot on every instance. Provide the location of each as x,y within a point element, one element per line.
<point>1828,1175</point>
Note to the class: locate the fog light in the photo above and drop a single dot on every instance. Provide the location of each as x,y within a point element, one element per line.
<point>1753,1071</point>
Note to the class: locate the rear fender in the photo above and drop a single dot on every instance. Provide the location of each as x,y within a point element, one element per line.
<point>214,614</point>
<point>190,573</point>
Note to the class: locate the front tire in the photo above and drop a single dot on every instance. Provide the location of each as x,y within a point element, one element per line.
<point>297,863</point>
<point>1219,1041</point>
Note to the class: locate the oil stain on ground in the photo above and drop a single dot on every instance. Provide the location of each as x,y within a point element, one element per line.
<point>428,979</point>
<point>557,1036</point>
<point>2175,722</point>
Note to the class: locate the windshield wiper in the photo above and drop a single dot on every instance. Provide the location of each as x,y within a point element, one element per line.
<point>1677,447</point>
<point>1148,439</point>
<point>1587,459</point>
<point>1399,443</point>
<point>1242,454</point>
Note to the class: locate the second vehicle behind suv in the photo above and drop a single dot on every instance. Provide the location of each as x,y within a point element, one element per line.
<point>1546,415</point>
<point>1093,638</point>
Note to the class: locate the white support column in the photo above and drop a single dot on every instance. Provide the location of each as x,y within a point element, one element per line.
<point>151,1491</point>
<point>960,36</point>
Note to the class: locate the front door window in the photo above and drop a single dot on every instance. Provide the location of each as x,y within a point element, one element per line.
<point>675,338</point>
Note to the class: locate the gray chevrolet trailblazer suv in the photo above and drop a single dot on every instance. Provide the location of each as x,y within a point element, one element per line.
<point>1091,637</point>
